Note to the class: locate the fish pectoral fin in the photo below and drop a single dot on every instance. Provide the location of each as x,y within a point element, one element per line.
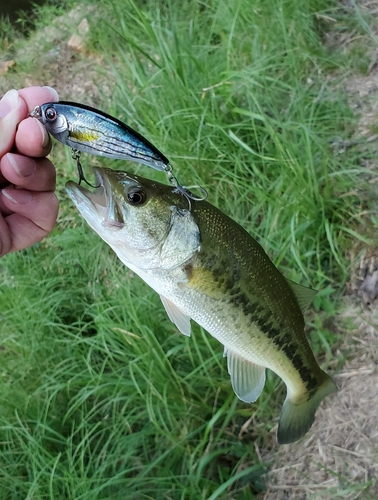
<point>181,320</point>
<point>304,294</point>
<point>247,378</point>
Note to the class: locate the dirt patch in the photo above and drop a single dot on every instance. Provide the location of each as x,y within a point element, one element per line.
<point>339,458</point>
<point>70,68</point>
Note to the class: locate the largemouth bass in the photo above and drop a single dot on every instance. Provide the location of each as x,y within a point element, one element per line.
<point>208,268</point>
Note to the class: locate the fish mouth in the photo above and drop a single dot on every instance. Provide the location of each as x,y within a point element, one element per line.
<point>102,199</point>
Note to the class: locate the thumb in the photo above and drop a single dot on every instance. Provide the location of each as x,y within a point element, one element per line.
<point>13,109</point>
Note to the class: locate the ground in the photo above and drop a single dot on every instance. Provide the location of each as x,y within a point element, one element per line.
<point>339,457</point>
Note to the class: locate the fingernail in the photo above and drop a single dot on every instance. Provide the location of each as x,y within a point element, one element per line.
<point>8,103</point>
<point>18,196</point>
<point>45,135</point>
<point>23,165</point>
<point>53,91</point>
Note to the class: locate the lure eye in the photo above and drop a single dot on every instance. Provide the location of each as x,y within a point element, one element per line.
<point>50,114</point>
<point>136,196</point>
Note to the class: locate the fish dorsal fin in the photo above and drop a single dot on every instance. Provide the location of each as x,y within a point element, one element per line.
<point>304,295</point>
<point>181,320</point>
<point>247,378</point>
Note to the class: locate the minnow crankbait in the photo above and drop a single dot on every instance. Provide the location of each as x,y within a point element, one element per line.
<point>88,130</point>
<point>91,131</point>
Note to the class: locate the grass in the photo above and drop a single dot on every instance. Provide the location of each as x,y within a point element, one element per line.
<point>101,397</point>
<point>236,101</point>
<point>104,396</point>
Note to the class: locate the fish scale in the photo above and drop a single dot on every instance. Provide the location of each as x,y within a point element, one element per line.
<point>207,268</point>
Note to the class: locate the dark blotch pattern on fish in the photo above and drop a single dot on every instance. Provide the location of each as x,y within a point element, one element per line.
<point>261,316</point>
<point>265,321</point>
<point>234,269</point>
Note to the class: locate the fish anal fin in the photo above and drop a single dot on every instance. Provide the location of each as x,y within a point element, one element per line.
<point>247,378</point>
<point>303,294</point>
<point>180,319</point>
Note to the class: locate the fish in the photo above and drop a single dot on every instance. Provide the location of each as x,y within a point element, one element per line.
<point>208,268</point>
<point>89,130</point>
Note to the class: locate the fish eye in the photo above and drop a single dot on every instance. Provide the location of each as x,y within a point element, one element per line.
<point>50,114</point>
<point>136,196</point>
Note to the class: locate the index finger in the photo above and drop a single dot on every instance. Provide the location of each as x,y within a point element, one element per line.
<point>12,110</point>
<point>15,106</point>
<point>35,96</point>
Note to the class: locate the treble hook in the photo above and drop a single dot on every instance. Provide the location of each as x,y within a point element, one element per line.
<point>182,189</point>
<point>76,156</point>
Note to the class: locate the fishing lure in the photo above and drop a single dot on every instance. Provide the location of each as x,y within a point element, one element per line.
<point>88,130</point>
<point>91,131</point>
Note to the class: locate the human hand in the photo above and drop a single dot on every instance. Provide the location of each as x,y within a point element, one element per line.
<point>28,205</point>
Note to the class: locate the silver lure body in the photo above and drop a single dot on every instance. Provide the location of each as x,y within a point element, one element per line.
<point>91,131</point>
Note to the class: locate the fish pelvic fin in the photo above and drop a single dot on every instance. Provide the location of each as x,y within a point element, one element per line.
<point>247,378</point>
<point>181,320</point>
<point>298,414</point>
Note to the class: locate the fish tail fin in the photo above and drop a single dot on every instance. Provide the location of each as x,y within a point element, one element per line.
<point>298,414</point>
